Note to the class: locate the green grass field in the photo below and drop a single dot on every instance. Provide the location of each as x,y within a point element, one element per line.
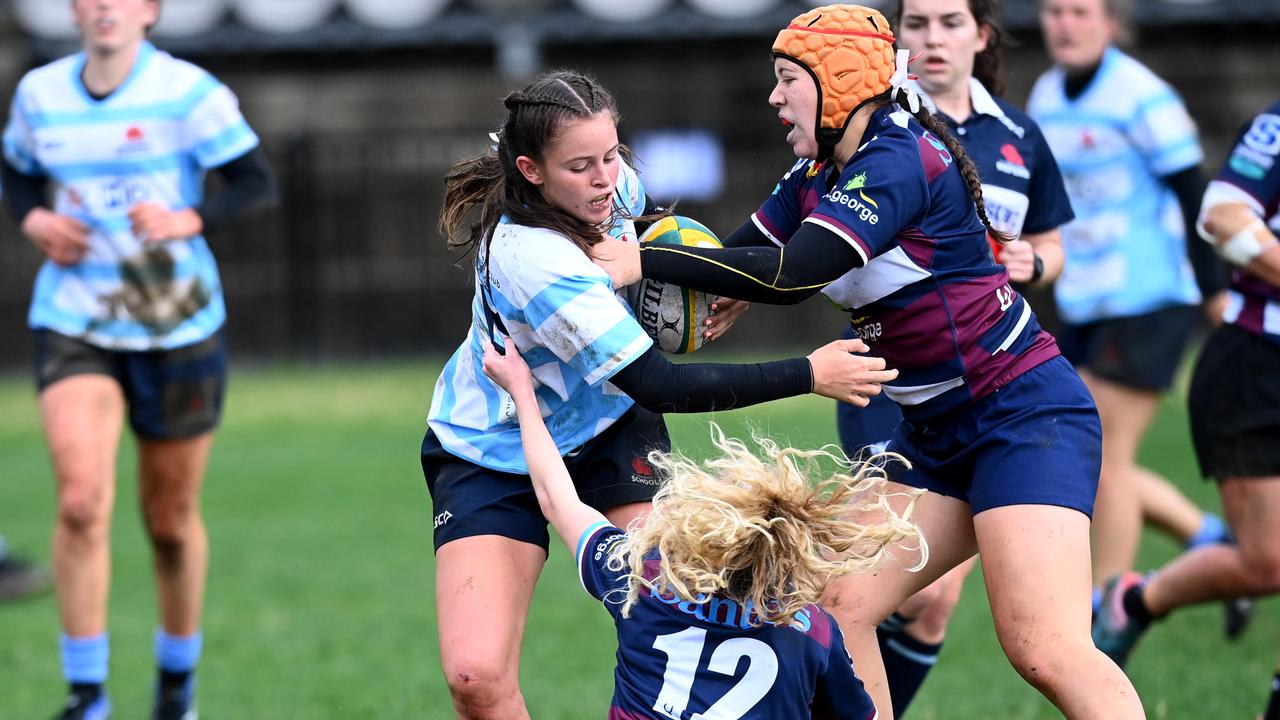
<point>320,601</point>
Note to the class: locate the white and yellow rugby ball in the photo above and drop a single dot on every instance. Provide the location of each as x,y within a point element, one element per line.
<point>673,316</point>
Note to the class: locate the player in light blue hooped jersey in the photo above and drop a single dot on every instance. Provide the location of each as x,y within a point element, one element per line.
<point>714,594</point>
<point>104,158</point>
<point>1130,157</point>
<point>551,188</point>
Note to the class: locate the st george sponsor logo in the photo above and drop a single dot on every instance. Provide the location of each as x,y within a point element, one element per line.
<point>863,207</point>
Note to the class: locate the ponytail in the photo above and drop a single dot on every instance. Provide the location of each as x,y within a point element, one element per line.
<point>966,167</point>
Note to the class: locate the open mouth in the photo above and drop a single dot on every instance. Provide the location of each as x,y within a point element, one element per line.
<point>600,203</point>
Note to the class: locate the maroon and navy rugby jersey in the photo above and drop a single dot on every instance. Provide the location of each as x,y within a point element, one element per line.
<point>683,660</point>
<point>929,299</point>
<point>1252,177</point>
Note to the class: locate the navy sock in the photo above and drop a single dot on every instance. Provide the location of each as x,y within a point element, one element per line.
<point>1135,607</point>
<point>87,692</point>
<point>1273,706</point>
<point>907,662</point>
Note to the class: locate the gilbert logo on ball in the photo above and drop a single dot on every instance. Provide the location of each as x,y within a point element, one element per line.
<point>673,316</point>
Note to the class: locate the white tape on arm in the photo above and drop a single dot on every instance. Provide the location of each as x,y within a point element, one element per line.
<point>1244,246</point>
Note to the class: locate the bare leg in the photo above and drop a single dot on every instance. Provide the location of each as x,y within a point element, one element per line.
<point>170,475</point>
<point>930,609</point>
<point>83,416</point>
<point>1041,609</point>
<point>484,585</point>
<point>1251,567</point>
<point>861,602</point>
<point>1164,506</point>
<point>1117,518</point>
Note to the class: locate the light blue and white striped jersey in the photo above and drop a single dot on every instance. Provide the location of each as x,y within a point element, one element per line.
<point>1126,249</point>
<point>151,140</point>
<point>569,325</point>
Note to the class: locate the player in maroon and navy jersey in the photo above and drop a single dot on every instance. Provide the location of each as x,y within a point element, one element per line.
<point>1234,403</point>
<point>883,214</point>
<point>713,594</point>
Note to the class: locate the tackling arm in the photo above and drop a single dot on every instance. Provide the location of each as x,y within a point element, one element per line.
<point>557,497</point>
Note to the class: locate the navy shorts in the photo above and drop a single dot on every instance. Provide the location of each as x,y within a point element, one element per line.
<point>861,428</point>
<point>1235,405</point>
<point>1035,441</point>
<point>171,394</point>
<point>1142,351</point>
<point>611,469</point>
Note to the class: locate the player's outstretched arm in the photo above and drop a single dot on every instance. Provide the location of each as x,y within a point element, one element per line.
<point>557,497</point>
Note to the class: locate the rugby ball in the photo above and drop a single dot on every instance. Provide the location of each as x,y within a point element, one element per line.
<point>673,316</point>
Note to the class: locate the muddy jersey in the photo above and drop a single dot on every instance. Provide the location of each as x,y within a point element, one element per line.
<point>151,140</point>
<point>929,299</point>
<point>683,660</point>
<point>570,326</point>
<point>1252,177</point>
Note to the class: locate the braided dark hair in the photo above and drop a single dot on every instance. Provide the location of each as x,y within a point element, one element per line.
<point>958,154</point>
<point>492,184</point>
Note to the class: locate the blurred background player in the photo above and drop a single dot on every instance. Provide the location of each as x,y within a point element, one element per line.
<point>20,578</point>
<point>127,314</point>
<point>1131,160</point>
<point>1234,404</point>
<point>958,47</point>
<point>730,561</point>
<point>554,184</point>
<point>884,214</point>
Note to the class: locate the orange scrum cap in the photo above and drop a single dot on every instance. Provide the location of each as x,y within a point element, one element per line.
<point>848,49</point>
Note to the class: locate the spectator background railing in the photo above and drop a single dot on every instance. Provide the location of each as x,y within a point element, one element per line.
<point>363,105</point>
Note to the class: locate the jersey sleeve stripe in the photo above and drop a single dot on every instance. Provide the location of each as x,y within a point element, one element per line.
<point>612,351</point>
<point>763,225</point>
<point>584,541</point>
<point>230,144</point>
<point>854,241</point>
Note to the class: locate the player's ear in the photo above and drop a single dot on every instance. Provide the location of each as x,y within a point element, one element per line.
<point>529,169</point>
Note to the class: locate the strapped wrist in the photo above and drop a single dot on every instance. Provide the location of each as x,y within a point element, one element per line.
<point>1242,247</point>
<point>1037,268</point>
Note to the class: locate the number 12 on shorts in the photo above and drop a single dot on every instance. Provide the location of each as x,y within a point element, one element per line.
<point>683,651</point>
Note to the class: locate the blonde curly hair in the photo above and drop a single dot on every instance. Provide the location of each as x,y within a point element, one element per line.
<point>757,530</point>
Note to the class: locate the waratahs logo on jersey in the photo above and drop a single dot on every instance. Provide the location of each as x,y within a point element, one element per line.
<point>940,146</point>
<point>857,182</point>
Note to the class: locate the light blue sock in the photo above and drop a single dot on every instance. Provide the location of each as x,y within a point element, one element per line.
<point>84,660</point>
<point>1097,599</point>
<point>1212,531</point>
<point>178,654</point>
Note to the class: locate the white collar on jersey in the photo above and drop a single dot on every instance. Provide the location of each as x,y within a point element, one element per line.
<point>982,102</point>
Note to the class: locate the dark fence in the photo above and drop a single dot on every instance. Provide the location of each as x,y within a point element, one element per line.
<point>349,264</point>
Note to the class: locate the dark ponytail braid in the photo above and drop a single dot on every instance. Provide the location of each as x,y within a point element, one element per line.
<point>966,167</point>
